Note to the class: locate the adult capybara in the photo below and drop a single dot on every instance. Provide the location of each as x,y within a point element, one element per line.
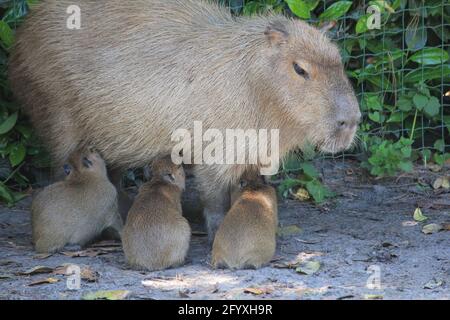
<point>137,70</point>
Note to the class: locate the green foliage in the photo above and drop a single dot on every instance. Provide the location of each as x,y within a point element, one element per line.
<point>18,147</point>
<point>299,172</point>
<point>399,72</point>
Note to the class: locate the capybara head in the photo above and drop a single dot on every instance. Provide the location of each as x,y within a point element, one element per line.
<point>306,77</point>
<point>164,169</point>
<point>85,162</point>
<point>251,180</point>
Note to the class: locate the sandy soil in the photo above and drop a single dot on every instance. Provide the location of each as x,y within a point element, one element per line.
<point>366,231</point>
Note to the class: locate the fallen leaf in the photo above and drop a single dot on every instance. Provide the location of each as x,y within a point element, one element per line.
<point>418,215</point>
<point>4,276</point>
<point>432,228</point>
<point>438,183</point>
<point>288,231</point>
<point>434,167</point>
<point>86,274</point>
<point>36,270</point>
<point>302,195</point>
<point>43,281</point>
<point>433,284</point>
<point>446,183</point>
<point>308,267</point>
<point>409,223</point>
<point>107,295</point>
<point>89,275</point>
<point>42,256</point>
<point>257,291</point>
<point>183,294</point>
<point>373,296</point>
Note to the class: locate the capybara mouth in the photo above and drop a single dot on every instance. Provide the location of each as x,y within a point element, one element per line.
<point>336,144</point>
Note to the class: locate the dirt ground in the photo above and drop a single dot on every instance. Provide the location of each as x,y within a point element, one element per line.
<point>366,233</point>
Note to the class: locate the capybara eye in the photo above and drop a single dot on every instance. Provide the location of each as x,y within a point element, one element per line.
<point>87,163</point>
<point>67,169</point>
<point>300,71</point>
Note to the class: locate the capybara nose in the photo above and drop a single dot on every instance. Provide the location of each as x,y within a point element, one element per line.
<point>348,123</point>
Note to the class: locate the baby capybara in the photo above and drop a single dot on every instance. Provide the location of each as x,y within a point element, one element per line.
<point>156,235</point>
<point>77,210</point>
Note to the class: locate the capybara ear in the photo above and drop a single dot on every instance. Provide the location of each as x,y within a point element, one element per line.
<point>277,33</point>
<point>324,28</point>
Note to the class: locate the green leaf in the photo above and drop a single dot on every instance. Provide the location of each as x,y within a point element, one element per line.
<point>302,8</point>
<point>420,101</point>
<point>8,124</point>
<point>373,102</point>
<point>404,103</point>
<point>429,73</point>
<point>430,56</point>
<point>405,166</point>
<point>433,107</point>
<point>375,116</point>
<point>361,25</point>
<point>309,170</point>
<point>17,154</point>
<point>308,267</point>
<point>318,191</point>
<point>6,34</point>
<point>5,194</point>
<point>336,10</point>
<point>418,215</point>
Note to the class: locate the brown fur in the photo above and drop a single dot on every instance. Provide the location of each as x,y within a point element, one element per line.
<point>75,211</point>
<point>156,235</point>
<point>138,70</point>
<point>247,236</point>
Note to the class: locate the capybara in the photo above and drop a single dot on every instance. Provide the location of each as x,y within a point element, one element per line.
<point>75,211</point>
<point>247,236</point>
<point>135,71</point>
<point>156,235</point>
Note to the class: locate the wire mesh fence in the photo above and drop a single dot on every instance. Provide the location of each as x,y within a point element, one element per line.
<point>396,55</point>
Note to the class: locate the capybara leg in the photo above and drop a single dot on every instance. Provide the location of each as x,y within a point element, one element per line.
<point>215,207</point>
<point>114,231</point>
<point>124,200</point>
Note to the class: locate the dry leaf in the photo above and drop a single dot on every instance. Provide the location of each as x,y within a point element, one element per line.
<point>183,294</point>
<point>4,276</point>
<point>89,275</point>
<point>432,228</point>
<point>433,284</point>
<point>288,231</point>
<point>257,291</point>
<point>446,183</point>
<point>42,256</point>
<point>43,281</point>
<point>437,183</point>
<point>302,195</point>
<point>434,167</point>
<point>107,295</point>
<point>409,223</point>
<point>36,270</point>
<point>418,215</point>
<point>373,297</point>
<point>308,267</point>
